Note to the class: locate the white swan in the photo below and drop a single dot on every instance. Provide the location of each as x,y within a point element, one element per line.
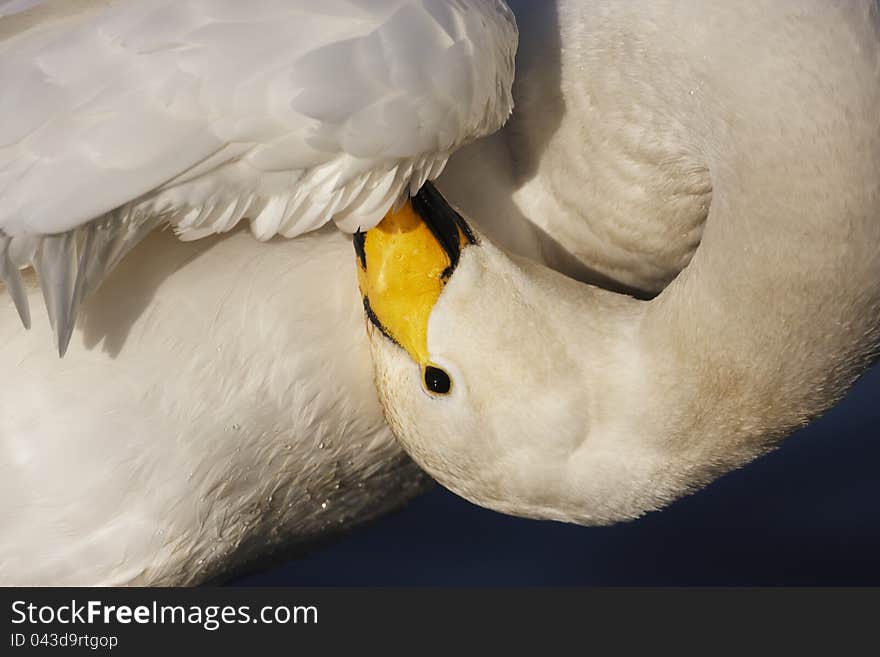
<point>666,394</point>
<point>216,402</point>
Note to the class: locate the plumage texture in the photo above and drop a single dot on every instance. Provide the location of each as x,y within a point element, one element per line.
<point>288,112</point>
<point>216,406</point>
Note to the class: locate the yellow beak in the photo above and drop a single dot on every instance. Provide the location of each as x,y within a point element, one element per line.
<point>403,265</point>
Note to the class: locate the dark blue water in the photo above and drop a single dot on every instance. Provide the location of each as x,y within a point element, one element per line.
<point>808,513</point>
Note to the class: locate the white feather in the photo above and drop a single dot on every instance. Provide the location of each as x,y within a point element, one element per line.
<point>205,112</point>
<point>216,404</point>
<point>182,104</point>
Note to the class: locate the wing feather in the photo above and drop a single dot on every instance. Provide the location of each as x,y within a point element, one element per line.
<point>194,104</point>
<point>117,115</point>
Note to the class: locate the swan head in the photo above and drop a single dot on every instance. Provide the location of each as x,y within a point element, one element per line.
<point>491,376</point>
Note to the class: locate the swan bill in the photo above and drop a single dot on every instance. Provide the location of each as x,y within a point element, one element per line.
<point>405,262</point>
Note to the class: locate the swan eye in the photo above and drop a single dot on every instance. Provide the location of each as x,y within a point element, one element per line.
<point>437,381</point>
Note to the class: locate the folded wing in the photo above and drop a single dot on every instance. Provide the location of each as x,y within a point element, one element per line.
<point>116,116</point>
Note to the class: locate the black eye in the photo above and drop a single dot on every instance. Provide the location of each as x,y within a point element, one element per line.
<point>436,380</point>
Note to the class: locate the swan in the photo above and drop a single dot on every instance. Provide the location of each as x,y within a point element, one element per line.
<point>629,305</point>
